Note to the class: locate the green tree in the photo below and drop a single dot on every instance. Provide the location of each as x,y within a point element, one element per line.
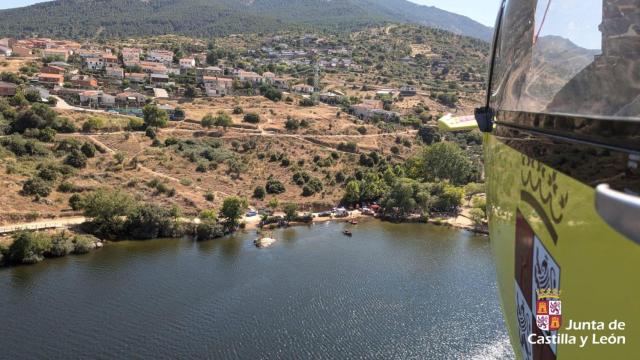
<point>154,116</point>
<point>149,221</point>
<point>352,193</point>
<point>445,161</point>
<point>373,187</point>
<point>223,120</point>
<point>400,200</point>
<point>290,211</point>
<point>449,199</point>
<point>108,210</point>
<point>232,210</point>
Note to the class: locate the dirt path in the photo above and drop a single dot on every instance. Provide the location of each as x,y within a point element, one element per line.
<point>43,224</point>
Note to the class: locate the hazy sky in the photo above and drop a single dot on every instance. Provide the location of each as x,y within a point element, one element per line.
<point>483,11</point>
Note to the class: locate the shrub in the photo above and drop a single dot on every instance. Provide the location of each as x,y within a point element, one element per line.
<point>75,202</point>
<point>208,230</point>
<point>252,118</point>
<point>237,110</point>
<point>208,215</point>
<point>61,245</point>
<point>82,244</point>
<point>274,186</point>
<point>307,102</point>
<point>348,147</point>
<point>48,173</point>
<point>28,248</point>
<point>477,216</point>
<point>92,124</point>
<point>76,159</point>
<point>135,124</point>
<point>209,196</point>
<point>47,135</point>
<point>67,187</point>
<point>202,168</point>
<point>208,121</point>
<point>36,186</point>
<point>88,149</point>
<point>301,178</point>
<point>273,94</point>
<point>292,124</point>
<point>150,133</point>
<point>259,192</point>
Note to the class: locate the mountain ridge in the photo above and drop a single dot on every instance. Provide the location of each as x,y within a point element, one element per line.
<point>125,18</point>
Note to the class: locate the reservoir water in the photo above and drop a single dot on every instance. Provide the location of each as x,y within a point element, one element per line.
<point>408,291</point>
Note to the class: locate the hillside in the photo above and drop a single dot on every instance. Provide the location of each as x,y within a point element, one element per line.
<point>201,18</point>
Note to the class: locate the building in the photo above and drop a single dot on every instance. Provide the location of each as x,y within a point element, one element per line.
<point>7,89</point>
<point>159,79</point>
<point>249,76</point>
<point>115,72</point>
<point>187,63</point>
<point>153,67</point>
<point>130,99</point>
<point>161,56</point>
<point>84,81</point>
<point>217,86</point>
<point>5,50</point>
<point>8,42</point>
<point>51,79</point>
<point>52,69</point>
<point>110,60</point>
<point>131,56</point>
<point>21,51</point>
<point>42,92</point>
<point>329,98</point>
<point>304,89</point>
<point>95,98</point>
<point>138,78</point>
<point>208,71</point>
<point>94,63</point>
<point>408,90</point>
<point>160,93</point>
<point>269,77</point>
<point>370,109</point>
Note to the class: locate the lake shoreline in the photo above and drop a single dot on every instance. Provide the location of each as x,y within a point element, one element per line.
<point>254,224</point>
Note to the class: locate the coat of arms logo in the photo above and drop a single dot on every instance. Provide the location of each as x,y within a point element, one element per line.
<point>548,309</point>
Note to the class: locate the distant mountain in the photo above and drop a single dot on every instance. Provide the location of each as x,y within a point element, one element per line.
<point>556,61</point>
<point>124,18</point>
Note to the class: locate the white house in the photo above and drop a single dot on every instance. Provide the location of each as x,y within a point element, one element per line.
<point>6,51</point>
<point>187,63</point>
<point>94,63</point>
<point>161,56</point>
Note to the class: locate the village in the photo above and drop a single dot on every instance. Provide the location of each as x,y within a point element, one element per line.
<point>319,122</point>
<point>119,78</point>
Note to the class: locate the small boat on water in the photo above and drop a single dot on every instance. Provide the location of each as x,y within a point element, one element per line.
<point>353,222</point>
<point>347,233</point>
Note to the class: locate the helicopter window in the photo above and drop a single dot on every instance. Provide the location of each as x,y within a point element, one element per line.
<point>574,57</point>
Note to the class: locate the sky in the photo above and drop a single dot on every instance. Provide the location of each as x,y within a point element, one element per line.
<point>483,11</point>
